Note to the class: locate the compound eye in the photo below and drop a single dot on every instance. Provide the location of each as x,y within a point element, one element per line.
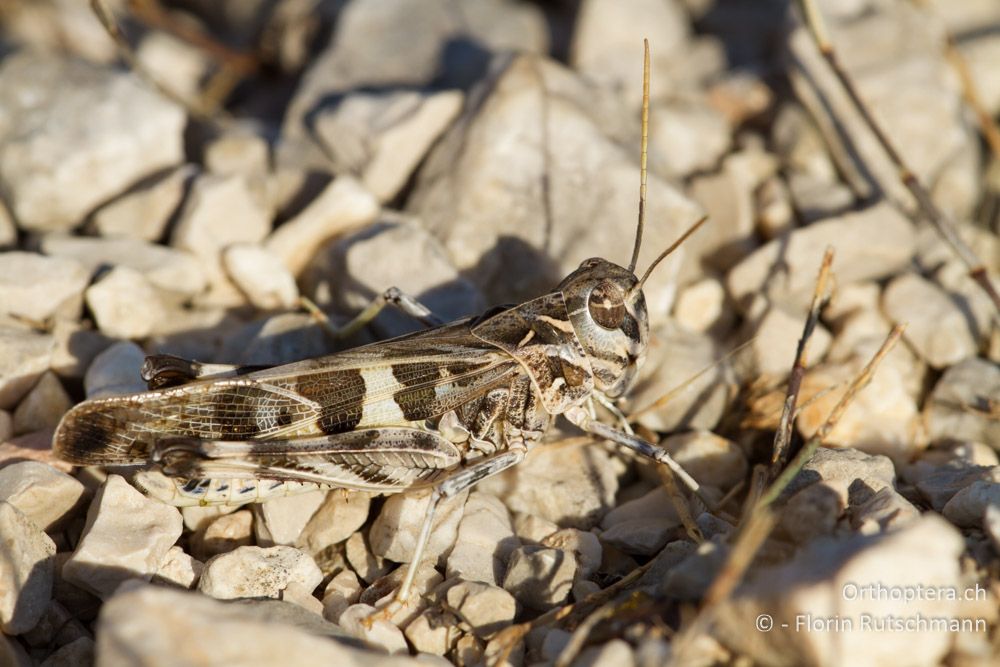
<point>607,305</point>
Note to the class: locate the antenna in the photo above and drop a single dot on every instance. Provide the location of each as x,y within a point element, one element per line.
<point>673,246</point>
<point>642,157</point>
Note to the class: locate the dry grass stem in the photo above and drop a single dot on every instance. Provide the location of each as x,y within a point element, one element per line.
<point>820,297</point>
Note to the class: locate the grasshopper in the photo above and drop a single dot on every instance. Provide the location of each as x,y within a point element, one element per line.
<point>441,408</point>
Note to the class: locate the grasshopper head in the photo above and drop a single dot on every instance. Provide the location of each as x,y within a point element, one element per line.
<point>608,313</point>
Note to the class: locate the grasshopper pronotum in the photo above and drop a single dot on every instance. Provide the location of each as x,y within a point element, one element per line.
<point>441,408</point>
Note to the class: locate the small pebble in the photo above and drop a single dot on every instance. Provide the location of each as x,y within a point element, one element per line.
<point>43,494</point>
<point>531,528</point>
<point>957,408</point>
<point>219,211</point>
<point>77,134</point>
<point>143,213</point>
<point>967,508</point>
<point>869,244</point>
<point>341,592</point>
<point>539,577</point>
<point>77,345</point>
<point>434,631</point>
<point>383,136</point>
<point>125,304</point>
<point>484,542</point>
<point>614,653</point>
<point>144,623</point>
<point>571,486</point>
<point>261,276</point>
<point>127,536</point>
<point>813,511</point>
<point>36,287</point>
<point>223,534</point>
<point>886,510</point>
<point>171,271</point>
<point>368,566</point>
<point>709,458</point>
<point>249,572</point>
<point>394,533</point>
<point>776,337</point>
<point>641,526</point>
<point>282,520</point>
<point>340,515</point>
<point>115,371</point>
<point>940,484</point>
<point>701,305</point>
<point>584,545</point>
<point>382,633</point>
<point>43,407</point>
<point>179,568</point>
<point>24,357</point>
<point>487,609</point>
<point>343,205</point>
<point>936,327</point>
<point>26,571</point>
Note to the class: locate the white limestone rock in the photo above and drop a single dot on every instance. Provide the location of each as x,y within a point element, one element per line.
<point>499,171</point>
<point>115,371</point>
<point>178,568</point>
<point>250,572</point>
<point>261,276</point>
<point>486,608</point>
<point>24,356</point>
<point>37,287</point>
<point>127,536</point>
<point>484,542</point>
<point>169,270</point>
<point>711,459</point>
<point>394,533</point>
<point>43,407</point>
<point>380,633</point>
<point>972,383</point>
<point>869,244</point>
<point>397,251</point>
<point>145,623</point>
<point>382,137</point>
<point>936,326</point>
<point>144,212</point>
<point>344,205</point>
<point>125,304</point>
<point>341,514</point>
<point>58,163</point>
<point>540,577</point>
<point>223,534</point>
<point>26,571</point>
<point>43,494</point>
<point>281,520</point>
<point>841,580</point>
<point>570,486</point>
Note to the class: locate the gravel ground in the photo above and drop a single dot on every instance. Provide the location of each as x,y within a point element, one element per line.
<point>473,154</point>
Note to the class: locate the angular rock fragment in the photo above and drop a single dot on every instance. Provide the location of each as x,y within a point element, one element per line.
<point>250,572</point>
<point>540,577</point>
<point>127,536</point>
<point>26,571</point>
<point>58,163</point>
<point>43,494</point>
<point>36,287</point>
